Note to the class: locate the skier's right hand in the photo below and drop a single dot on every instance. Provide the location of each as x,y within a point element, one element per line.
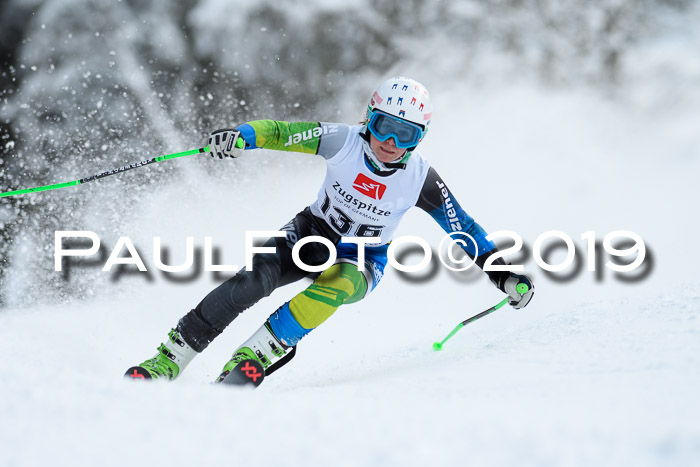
<point>226,143</point>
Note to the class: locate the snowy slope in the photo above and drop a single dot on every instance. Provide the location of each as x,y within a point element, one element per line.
<point>591,373</point>
<point>599,383</point>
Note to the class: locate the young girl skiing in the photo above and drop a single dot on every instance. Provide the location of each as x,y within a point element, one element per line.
<point>374,176</point>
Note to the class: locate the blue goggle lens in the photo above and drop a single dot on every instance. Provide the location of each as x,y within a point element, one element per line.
<point>384,126</point>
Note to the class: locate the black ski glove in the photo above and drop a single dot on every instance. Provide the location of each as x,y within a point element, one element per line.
<point>225,143</point>
<point>508,283</point>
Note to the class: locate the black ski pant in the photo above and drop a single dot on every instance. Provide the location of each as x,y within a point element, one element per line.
<point>223,304</point>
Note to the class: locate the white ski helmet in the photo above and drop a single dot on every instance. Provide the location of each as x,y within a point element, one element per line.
<point>407,100</point>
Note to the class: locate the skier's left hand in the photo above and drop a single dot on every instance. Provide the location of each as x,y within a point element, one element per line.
<point>509,284</point>
<point>225,143</point>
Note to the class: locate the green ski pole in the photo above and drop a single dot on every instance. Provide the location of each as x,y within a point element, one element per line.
<point>105,174</point>
<point>521,288</point>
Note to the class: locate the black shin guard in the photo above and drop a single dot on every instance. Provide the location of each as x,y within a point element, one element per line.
<point>196,331</point>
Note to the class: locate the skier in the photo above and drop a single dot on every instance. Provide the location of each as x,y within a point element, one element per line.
<point>374,176</point>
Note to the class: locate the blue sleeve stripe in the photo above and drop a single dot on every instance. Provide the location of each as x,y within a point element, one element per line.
<point>468,226</point>
<point>248,133</point>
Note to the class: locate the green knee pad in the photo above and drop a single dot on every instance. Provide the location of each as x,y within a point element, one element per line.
<point>341,283</point>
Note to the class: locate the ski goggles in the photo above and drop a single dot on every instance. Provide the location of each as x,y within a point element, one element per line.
<point>384,126</point>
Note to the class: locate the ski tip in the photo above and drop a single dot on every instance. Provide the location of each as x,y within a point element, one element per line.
<point>137,373</point>
<point>246,373</point>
